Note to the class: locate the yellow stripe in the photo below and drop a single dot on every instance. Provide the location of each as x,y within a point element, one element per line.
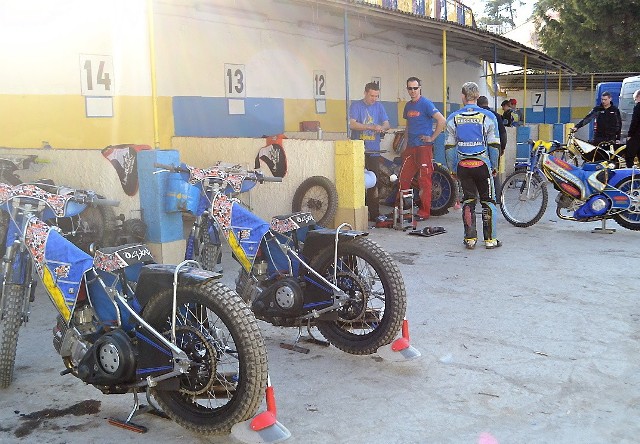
<point>239,252</point>
<point>55,294</point>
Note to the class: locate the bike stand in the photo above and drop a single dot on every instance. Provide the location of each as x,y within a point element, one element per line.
<point>137,410</point>
<point>310,338</point>
<point>604,229</point>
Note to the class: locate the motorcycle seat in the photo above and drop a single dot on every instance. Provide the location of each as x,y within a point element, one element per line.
<point>290,222</point>
<point>115,258</point>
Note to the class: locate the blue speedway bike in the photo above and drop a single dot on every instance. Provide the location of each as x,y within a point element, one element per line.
<point>127,325</point>
<point>293,272</point>
<point>591,192</point>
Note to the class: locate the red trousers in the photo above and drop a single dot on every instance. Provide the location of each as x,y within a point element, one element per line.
<point>418,159</point>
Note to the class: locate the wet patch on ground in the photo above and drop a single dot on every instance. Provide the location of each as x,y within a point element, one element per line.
<point>405,257</point>
<point>36,419</point>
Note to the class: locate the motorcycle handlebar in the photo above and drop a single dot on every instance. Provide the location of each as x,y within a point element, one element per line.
<point>270,179</point>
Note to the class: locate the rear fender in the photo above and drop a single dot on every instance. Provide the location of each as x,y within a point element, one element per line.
<point>318,240</point>
<point>155,278</point>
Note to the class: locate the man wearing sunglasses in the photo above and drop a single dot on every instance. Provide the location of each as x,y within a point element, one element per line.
<point>421,115</point>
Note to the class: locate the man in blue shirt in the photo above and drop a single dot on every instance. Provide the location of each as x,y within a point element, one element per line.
<point>367,119</point>
<point>472,149</point>
<point>421,114</point>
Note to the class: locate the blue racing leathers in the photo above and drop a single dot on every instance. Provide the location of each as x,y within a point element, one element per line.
<point>472,149</point>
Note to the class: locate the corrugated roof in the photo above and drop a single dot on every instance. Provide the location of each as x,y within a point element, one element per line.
<point>477,43</point>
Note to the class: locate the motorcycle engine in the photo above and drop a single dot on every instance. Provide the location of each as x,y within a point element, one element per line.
<point>110,360</point>
<point>283,298</point>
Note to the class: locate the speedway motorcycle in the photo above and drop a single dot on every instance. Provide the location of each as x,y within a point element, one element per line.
<point>577,152</point>
<point>294,273</point>
<point>591,192</point>
<point>128,325</point>
<point>94,225</point>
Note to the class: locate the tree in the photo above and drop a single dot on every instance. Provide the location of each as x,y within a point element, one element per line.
<point>591,35</point>
<point>500,12</point>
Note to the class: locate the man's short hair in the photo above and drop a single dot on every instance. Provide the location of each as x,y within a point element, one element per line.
<point>371,86</point>
<point>606,93</point>
<point>414,79</point>
<point>470,91</point>
<point>483,101</point>
<point>505,102</point>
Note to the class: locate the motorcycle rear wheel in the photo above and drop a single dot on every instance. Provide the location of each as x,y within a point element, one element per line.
<point>630,218</point>
<point>228,384</point>
<point>443,190</point>
<point>519,206</point>
<point>373,317</point>
<point>10,321</point>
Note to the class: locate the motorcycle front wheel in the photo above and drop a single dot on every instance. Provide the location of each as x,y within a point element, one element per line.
<point>378,299</point>
<point>221,336</point>
<point>522,203</point>
<point>207,251</point>
<point>630,218</point>
<point>10,321</point>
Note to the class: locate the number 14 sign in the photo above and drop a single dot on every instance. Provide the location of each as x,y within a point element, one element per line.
<point>96,75</point>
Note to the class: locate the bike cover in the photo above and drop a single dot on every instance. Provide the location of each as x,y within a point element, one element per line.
<point>60,264</point>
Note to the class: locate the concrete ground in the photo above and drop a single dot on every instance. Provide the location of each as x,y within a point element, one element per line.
<point>536,341</point>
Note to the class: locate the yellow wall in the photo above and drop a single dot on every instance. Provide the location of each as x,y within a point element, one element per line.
<point>61,121</point>
<point>298,110</point>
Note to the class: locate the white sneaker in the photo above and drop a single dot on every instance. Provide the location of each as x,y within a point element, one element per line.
<point>492,243</point>
<point>470,244</point>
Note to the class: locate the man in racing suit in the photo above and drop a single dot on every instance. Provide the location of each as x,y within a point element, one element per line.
<point>472,148</point>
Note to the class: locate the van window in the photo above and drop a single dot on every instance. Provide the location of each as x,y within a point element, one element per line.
<point>629,86</point>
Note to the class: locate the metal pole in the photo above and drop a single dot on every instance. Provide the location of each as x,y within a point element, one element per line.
<point>524,101</point>
<point>495,77</point>
<point>346,70</point>
<point>444,72</point>
<point>544,114</point>
<point>154,86</point>
<point>559,92</point>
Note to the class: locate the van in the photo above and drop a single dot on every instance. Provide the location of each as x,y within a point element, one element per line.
<point>626,103</point>
<point>612,87</point>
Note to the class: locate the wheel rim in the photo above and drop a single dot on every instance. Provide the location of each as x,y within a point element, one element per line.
<point>316,201</point>
<point>440,191</point>
<point>211,383</point>
<point>517,204</point>
<point>632,188</point>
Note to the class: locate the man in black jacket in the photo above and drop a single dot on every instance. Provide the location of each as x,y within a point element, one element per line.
<point>633,136</point>
<point>608,121</point>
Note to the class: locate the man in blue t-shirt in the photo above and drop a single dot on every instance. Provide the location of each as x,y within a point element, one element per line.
<point>367,119</point>
<point>421,114</point>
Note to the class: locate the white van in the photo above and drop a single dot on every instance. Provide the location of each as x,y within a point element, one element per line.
<point>626,103</point>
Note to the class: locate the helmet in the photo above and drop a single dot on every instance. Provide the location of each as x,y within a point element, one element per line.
<point>513,102</point>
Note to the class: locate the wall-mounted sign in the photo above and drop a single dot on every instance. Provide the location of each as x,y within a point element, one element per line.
<point>537,101</point>
<point>96,75</point>
<point>319,85</point>
<point>235,81</point>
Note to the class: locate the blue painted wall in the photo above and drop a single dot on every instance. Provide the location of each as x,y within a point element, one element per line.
<point>209,117</point>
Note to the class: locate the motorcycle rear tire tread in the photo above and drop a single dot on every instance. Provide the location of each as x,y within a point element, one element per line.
<point>9,329</point>
<point>249,342</point>
<point>395,307</point>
